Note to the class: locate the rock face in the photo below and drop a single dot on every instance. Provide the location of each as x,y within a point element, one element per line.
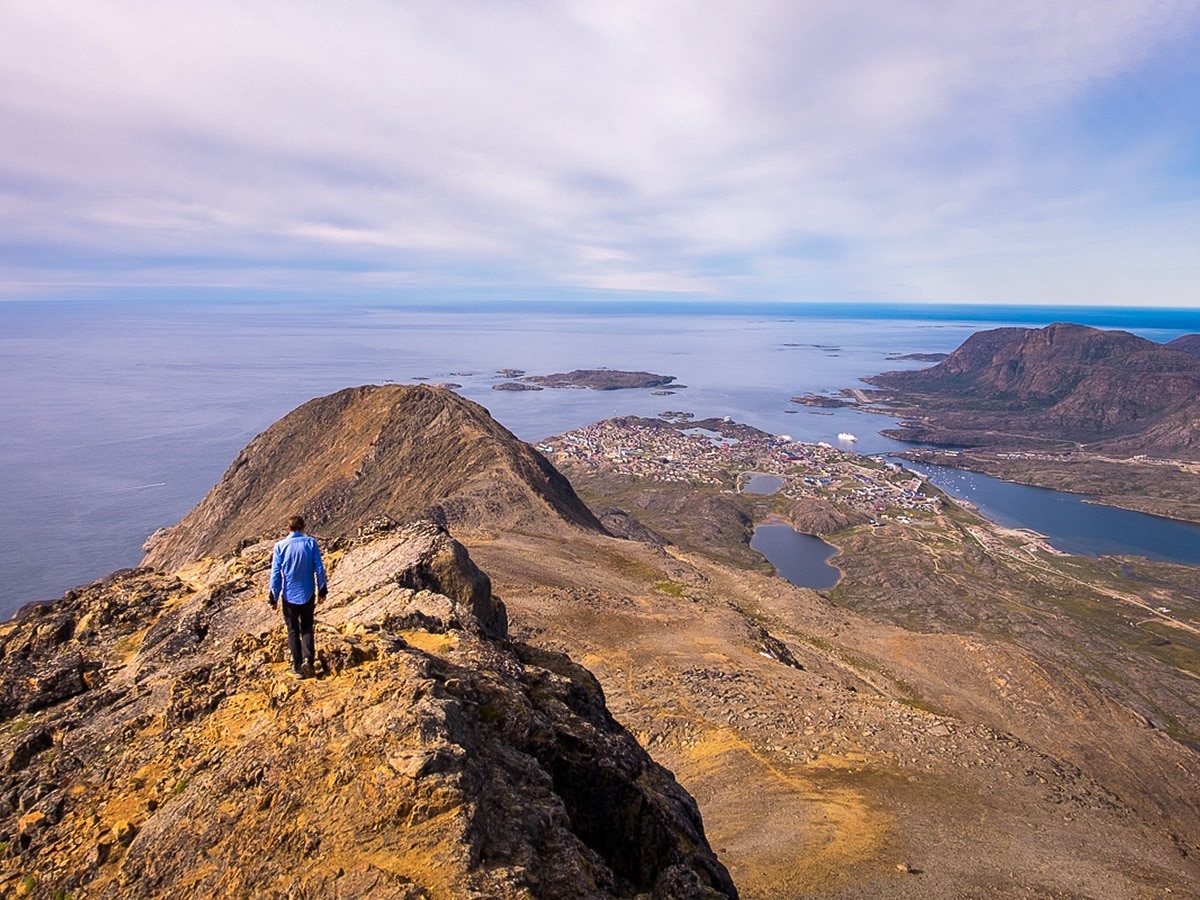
<point>152,746</point>
<point>1067,383</point>
<point>371,454</point>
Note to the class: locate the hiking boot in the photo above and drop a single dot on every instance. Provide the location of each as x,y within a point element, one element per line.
<point>295,673</point>
<point>306,671</point>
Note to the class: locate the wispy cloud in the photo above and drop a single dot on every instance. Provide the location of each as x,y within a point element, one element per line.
<point>931,151</point>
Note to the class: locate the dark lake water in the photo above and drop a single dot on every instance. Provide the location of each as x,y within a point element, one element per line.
<point>800,558</point>
<point>1071,524</point>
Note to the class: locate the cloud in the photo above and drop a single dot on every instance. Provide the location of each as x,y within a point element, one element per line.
<point>657,146</point>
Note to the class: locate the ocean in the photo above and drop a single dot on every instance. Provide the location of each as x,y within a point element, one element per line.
<point>119,416</point>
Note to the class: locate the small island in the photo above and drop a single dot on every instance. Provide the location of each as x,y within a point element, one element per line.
<point>515,386</point>
<point>601,380</point>
<point>820,401</point>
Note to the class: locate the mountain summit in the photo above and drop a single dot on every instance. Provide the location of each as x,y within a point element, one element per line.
<point>370,454</point>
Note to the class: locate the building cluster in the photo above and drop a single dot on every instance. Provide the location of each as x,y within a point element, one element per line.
<point>699,456</point>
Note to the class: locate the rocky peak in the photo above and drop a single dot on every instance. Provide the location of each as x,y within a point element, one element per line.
<point>153,744</point>
<point>372,453</point>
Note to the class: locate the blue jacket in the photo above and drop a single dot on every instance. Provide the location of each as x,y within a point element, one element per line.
<point>296,569</point>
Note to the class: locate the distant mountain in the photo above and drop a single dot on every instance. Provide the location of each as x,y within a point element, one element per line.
<point>1067,383</point>
<point>373,453</point>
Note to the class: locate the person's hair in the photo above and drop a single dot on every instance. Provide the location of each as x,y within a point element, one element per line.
<point>296,523</point>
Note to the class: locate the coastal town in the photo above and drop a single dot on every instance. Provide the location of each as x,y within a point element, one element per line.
<point>729,456</point>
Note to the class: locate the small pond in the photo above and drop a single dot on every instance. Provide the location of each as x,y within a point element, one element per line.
<point>762,484</point>
<point>800,558</point>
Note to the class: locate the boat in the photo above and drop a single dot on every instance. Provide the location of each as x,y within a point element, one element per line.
<point>846,436</point>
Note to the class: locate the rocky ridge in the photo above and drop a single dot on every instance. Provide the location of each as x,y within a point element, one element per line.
<point>153,745</point>
<point>1189,343</point>
<point>395,452</point>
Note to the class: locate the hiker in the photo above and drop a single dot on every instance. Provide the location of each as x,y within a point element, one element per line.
<point>298,577</point>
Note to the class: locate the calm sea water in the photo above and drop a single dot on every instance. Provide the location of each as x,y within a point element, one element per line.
<point>118,417</point>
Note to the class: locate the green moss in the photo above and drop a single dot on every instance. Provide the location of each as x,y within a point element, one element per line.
<point>489,714</point>
<point>1173,646</point>
<point>128,644</point>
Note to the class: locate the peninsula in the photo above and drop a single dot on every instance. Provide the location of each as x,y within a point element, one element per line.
<point>1104,413</point>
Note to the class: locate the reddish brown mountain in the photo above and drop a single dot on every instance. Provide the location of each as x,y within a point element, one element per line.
<point>1189,343</point>
<point>368,453</point>
<point>1064,382</point>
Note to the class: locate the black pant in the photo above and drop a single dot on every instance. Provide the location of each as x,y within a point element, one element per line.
<point>299,618</point>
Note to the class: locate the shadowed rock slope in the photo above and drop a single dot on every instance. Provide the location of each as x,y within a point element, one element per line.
<point>374,453</point>
<point>153,746</point>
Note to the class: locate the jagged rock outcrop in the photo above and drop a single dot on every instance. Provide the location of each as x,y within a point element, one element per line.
<point>368,453</point>
<point>1062,383</point>
<point>152,746</point>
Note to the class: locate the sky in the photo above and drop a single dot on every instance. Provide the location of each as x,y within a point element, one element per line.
<point>1015,151</point>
